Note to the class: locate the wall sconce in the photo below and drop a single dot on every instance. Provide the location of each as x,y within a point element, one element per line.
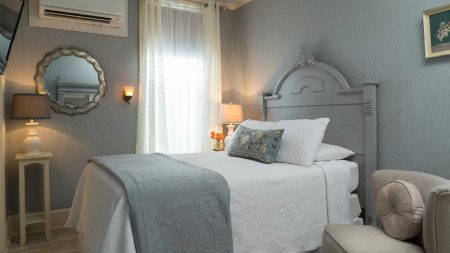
<point>128,93</point>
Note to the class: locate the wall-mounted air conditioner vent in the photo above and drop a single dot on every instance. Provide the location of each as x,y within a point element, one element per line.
<point>77,16</point>
<point>93,16</point>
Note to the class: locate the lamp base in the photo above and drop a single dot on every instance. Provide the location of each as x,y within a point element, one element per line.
<point>230,129</point>
<point>32,142</point>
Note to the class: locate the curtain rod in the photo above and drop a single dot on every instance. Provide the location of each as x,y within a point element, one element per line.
<point>202,3</point>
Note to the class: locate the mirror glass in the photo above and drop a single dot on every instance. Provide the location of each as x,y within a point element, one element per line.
<point>10,11</point>
<point>72,78</point>
<point>71,81</point>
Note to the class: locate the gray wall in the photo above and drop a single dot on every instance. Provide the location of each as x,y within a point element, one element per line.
<point>379,40</point>
<point>108,129</point>
<point>227,35</point>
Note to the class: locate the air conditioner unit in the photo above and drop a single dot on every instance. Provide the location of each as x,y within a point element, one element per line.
<point>94,16</point>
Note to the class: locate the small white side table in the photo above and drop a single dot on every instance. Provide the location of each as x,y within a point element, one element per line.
<point>24,160</point>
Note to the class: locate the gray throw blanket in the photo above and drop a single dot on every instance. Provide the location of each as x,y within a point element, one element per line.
<point>175,207</point>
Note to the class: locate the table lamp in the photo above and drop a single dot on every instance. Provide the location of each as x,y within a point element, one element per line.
<point>31,107</point>
<point>231,114</point>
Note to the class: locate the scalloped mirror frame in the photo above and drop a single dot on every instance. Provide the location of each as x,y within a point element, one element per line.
<point>64,109</point>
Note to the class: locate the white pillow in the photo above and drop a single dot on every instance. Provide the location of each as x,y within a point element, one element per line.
<point>328,152</point>
<point>301,138</point>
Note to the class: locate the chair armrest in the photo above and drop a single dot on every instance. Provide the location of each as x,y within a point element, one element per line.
<point>436,224</point>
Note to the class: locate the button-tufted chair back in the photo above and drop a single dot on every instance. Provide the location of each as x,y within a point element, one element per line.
<point>435,191</point>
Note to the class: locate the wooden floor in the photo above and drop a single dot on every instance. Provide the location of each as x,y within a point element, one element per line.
<point>63,241</point>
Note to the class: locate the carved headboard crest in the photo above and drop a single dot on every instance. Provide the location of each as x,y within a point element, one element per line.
<point>307,59</point>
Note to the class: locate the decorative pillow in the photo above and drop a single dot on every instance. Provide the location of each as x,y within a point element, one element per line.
<point>400,208</point>
<point>301,138</point>
<point>328,152</point>
<point>259,145</point>
<point>252,124</point>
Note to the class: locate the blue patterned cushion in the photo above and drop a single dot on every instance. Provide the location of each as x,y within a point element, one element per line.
<point>259,145</point>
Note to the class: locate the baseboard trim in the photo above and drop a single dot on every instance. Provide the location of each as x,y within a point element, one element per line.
<point>58,219</point>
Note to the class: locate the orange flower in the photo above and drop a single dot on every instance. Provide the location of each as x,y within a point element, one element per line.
<point>217,136</point>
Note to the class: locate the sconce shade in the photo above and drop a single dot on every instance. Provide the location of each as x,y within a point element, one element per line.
<point>231,113</point>
<point>128,93</point>
<point>128,90</point>
<point>30,106</point>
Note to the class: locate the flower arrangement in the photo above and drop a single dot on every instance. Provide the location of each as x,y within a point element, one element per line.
<point>218,137</point>
<point>443,31</point>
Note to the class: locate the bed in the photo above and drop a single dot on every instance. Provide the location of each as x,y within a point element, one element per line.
<point>274,208</point>
<point>298,191</point>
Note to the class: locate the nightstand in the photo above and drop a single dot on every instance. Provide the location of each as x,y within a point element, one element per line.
<point>25,160</point>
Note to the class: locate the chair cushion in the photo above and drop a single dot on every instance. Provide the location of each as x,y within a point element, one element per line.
<point>400,209</point>
<point>363,239</point>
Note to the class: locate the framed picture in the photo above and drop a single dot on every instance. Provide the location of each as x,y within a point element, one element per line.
<point>436,25</point>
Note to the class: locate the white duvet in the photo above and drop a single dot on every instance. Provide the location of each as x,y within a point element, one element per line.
<point>274,208</point>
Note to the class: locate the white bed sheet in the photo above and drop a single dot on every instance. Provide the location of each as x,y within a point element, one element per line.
<point>274,208</point>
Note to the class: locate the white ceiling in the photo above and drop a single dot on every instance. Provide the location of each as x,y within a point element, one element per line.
<point>234,4</point>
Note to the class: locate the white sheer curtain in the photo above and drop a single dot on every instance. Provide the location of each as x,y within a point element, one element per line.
<point>180,76</point>
<point>150,131</point>
<point>212,78</point>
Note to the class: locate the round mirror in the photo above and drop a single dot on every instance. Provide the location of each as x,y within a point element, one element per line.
<point>72,78</point>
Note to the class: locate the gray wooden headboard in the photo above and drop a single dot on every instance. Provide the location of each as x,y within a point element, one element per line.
<point>313,89</point>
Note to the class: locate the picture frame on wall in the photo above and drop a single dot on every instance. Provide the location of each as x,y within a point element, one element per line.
<point>436,24</point>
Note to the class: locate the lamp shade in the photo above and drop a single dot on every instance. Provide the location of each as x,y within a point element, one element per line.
<point>231,113</point>
<point>30,106</point>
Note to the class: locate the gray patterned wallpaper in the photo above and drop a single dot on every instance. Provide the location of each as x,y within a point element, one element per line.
<point>380,40</point>
<point>366,40</point>
<point>108,129</point>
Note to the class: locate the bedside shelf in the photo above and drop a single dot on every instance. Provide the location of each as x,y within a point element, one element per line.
<point>28,219</point>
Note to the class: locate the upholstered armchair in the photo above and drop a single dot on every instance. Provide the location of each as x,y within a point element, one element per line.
<point>435,235</point>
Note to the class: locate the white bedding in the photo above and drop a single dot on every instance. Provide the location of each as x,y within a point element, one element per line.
<point>274,208</point>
